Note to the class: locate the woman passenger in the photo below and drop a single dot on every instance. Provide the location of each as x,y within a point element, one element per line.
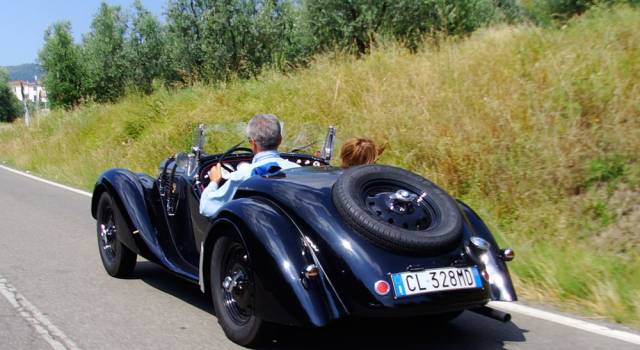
<point>359,151</point>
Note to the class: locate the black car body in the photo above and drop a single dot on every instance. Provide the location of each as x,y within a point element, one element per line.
<point>307,265</point>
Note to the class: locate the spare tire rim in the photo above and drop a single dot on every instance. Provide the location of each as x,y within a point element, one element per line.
<point>399,205</point>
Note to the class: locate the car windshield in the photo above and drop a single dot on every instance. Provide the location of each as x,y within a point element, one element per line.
<point>304,138</point>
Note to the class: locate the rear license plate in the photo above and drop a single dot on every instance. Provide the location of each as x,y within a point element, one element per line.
<point>435,280</point>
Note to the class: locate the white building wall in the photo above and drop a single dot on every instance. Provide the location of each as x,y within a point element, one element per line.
<point>31,91</point>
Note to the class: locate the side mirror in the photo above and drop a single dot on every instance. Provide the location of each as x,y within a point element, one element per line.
<point>327,148</point>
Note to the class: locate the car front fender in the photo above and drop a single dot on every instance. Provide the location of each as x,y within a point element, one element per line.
<point>130,192</point>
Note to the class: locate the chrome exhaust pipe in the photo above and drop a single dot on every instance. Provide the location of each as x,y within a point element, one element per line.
<point>492,313</point>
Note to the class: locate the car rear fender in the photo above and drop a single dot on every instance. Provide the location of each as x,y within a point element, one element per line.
<point>499,279</point>
<point>278,253</point>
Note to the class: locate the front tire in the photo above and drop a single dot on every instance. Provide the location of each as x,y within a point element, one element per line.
<point>232,291</point>
<point>118,260</point>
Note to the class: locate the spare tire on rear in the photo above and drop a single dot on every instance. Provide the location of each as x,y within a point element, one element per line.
<point>398,210</point>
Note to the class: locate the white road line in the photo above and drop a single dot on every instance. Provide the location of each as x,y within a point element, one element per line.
<point>566,321</point>
<point>33,177</point>
<point>50,333</point>
<point>504,306</point>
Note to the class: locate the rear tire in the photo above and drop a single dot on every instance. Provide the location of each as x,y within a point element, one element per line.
<point>234,306</point>
<point>118,260</point>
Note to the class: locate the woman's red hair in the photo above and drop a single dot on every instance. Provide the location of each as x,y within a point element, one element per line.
<point>359,151</point>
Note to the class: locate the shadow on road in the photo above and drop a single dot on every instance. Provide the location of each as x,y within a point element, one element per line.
<point>163,280</point>
<point>469,331</point>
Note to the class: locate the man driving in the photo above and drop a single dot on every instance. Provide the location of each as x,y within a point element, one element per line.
<point>265,136</point>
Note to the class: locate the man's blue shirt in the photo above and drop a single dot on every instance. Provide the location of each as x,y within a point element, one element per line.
<point>213,198</point>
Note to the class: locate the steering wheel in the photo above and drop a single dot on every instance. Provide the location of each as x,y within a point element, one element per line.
<point>229,152</point>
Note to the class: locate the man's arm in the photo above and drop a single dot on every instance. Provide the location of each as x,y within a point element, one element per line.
<point>214,197</point>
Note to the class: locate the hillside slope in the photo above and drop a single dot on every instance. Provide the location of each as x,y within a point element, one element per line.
<point>539,130</point>
<point>27,71</point>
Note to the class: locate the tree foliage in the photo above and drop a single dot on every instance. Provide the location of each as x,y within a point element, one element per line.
<point>145,59</point>
<point>219,40</point>
<point>559,11</point>
<point>355,25</point>
<point>9,104</point>
<point>346,24</point>
<point>185,37</point>
<point>241,37</point>
<point>60,58</point>
<point>103,55</point>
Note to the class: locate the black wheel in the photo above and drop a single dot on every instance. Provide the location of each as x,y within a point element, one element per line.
<point>233,291</point>
<point>398,210</point>
<point>118,260</point>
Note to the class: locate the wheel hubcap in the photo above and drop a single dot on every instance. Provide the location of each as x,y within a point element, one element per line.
<point>402,201</point>
<point>399,206</point>
<point>236,285</point>
<point>107,235</point>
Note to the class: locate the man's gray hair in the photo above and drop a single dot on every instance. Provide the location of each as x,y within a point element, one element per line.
<point>265,130</point>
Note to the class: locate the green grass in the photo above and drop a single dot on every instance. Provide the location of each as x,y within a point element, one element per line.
<point>537,129</point>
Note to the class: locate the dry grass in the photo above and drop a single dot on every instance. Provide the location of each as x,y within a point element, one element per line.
<point>537,129</point>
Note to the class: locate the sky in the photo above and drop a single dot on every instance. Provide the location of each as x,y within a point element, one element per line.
<point>23,22</point>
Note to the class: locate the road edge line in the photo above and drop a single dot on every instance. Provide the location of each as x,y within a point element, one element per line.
<point>42,325</point>
<point>504,306</point>
<point>566,321</point>
<point>37,178</point>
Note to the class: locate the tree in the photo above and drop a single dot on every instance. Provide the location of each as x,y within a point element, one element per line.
<point>282,34</point>
<point>145,49</point>
<point>230,38</point>
<point>60,59</point>
<point>409,21</point>
<point>185,28</point>
<point>354,25</point>
<point>9,104</point>
<point>347,24</point>
<point>103,55</point>
<point>241,37</point>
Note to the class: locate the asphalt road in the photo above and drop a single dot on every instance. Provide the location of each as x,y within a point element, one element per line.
<point>54,287</point>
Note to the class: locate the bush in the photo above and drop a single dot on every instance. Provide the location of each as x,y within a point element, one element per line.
<point>9,105</point>
<point>355,25</point>
<point>607,168</point>
<point>547,12</point>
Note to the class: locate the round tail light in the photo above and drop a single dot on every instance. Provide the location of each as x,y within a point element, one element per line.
<point>485,275</point>
<point>382,287</point>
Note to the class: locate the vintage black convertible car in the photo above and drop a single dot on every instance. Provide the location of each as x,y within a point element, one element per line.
<point>305,246</point>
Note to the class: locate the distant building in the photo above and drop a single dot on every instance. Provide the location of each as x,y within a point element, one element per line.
<point>33,91</point>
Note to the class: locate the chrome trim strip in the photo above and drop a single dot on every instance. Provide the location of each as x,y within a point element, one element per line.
<point>200,270</point>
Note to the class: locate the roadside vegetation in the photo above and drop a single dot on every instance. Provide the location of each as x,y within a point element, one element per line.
<point>537,128</point>
<point>9,104</point>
